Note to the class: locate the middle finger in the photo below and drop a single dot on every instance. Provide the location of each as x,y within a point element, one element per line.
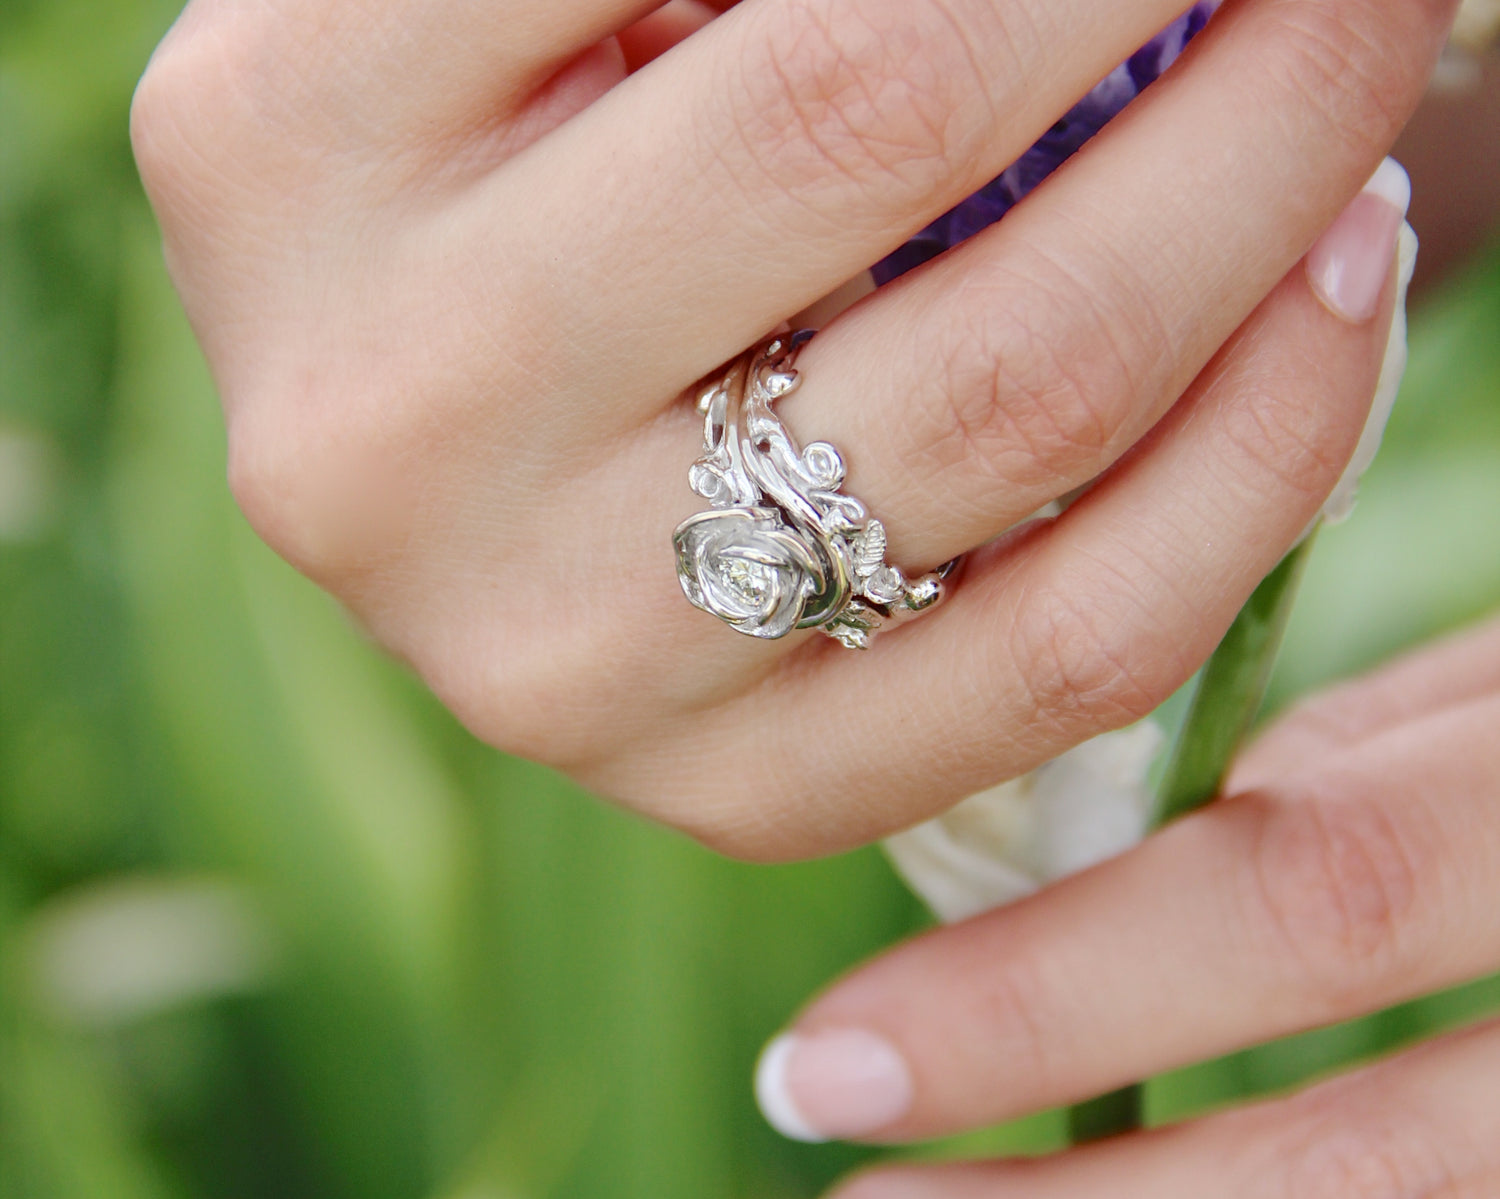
<point>1022,365</point>
<point>772,156</point>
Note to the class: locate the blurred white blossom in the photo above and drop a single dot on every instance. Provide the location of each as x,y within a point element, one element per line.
<point>1476,29</point>
<point>122,950</point>
<point>1477,26</point>
<point>28,483</point>
<point>1090,804</point>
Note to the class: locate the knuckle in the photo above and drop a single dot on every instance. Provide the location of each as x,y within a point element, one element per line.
<point>736,838</point>
<point>1289,445</point>
<point>1087,663</point>
<point>1031,387</point>
<point>1343,1150</point>
<point>1029,1006</point>
<point>221,112</point>
<point>1336,882</point>
<point>167,92</point>
<point>270,471</point>
<point>1048,370</point>
<point>517,682</point>
<point>324,492</point>
<point>868,95</point>
<point>1348,64</point>
<point>734,822</point>
<point>528,717</point>
<point>1348,1166</point>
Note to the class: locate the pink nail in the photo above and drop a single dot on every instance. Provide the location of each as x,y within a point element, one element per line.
<point>834,1084</point>
<point>1350,263</point>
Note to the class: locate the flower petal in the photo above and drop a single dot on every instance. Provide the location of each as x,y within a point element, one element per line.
<point>1051,150</point>
<point>1090,804</point>
<point>1341,502</point>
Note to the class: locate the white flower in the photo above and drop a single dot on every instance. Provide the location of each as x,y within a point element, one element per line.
<point>1090,804</point>
<point>1341,503</point>
<point>1477,26</point>
<point>126,948</point>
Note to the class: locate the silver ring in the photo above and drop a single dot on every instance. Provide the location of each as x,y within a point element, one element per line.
<point>781,547</point>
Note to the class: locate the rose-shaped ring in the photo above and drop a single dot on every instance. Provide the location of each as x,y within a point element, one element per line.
<point>782,547</point>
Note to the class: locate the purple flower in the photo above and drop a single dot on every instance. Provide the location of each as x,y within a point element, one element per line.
<point>1054,148</point>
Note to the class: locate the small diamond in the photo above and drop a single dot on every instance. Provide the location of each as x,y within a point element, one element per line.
<point>750,580</point>
<point>885,585</point>
<point>779,383</point>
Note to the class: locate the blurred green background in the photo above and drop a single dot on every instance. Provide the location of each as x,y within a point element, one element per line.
<point>272,925</point>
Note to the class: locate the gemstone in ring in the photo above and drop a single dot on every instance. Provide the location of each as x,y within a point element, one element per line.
<point>781,547</point>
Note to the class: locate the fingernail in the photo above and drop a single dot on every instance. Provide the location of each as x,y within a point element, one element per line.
<point>829,1085</point>
<point>1351,261</point>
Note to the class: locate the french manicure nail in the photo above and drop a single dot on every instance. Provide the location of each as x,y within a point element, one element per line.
<point>1350,263</point>
<point>833,1084</point>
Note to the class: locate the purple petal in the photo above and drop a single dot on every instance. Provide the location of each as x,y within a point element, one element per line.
<point>1052,149</point>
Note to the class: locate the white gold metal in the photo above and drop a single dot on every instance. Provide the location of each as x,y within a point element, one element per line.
<point>781,547</point>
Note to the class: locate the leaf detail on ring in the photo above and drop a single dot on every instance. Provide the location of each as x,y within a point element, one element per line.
<point>869,549</point>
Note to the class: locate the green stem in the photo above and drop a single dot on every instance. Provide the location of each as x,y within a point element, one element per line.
<point>1230,692</point>
<point>1106,1115</point>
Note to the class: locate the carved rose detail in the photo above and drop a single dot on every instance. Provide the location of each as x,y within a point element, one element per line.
<point>750,569</point>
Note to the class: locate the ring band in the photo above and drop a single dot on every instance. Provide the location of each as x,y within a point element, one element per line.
<point>781,547</point>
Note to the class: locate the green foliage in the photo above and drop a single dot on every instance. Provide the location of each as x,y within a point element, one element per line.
<point>477,983</point>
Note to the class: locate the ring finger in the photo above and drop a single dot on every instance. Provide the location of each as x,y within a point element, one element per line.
<point>1070,628</point>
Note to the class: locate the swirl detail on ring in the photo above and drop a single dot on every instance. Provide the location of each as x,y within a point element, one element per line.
<point>781,547</point>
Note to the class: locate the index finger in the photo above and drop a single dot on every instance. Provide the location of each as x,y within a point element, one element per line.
<point>1320,898</point>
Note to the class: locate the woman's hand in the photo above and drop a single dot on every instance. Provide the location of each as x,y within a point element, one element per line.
<point>1353,863</point>
<point>453,269</point>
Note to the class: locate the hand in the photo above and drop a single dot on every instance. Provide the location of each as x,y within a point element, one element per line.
<point>452,270</point>
<point>1353,863</point>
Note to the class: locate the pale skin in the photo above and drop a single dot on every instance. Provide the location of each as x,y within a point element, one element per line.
<point>1353,863</point>
<point>454,265</point>
<point>451,366</point>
